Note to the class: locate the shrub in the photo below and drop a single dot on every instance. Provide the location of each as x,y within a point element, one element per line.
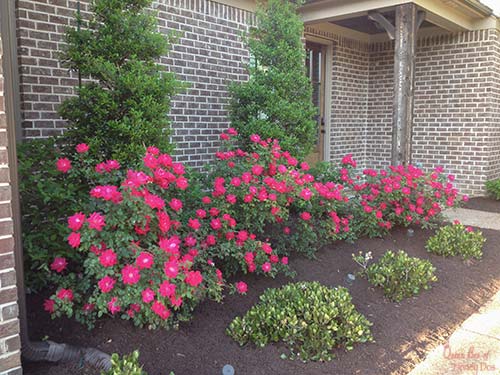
<point>457,239</point>
<point>47,196</point>
<point>122,108</point>
<point>310,318</point>
<point>125,104</point>
<point>276,101</point>
<point>143,257</point>
<point>127,365</point>
<point>493,188</point>
<point>402,195</point>
<point>400,275</point>
<point>270,193</point>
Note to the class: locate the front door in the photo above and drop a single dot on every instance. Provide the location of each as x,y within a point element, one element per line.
<point>315,66</point>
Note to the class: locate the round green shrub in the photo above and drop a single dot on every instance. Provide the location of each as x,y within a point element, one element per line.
<point>401,275</point>
<point>493,188</point>
<point>310,318</point>
<point>456,239</point>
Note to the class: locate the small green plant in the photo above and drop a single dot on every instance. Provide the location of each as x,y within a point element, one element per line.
<point>493,188</point>
<point>310,318</point>
<point>400,275</point>
<point>127,365</point>
<point>457,239</point>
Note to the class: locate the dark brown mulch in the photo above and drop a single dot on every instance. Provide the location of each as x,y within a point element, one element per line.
<point>483,204</point>
<point>404,332</point>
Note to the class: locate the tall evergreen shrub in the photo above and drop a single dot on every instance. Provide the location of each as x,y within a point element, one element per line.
<point>276,102</point>
<point>124,105</point>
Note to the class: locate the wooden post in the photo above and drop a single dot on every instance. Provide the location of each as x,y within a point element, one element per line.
<point>407,23</point>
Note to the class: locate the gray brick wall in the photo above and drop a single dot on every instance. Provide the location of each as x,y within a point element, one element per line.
<point>349,104</point>
<point>9,325</point>
<point>208,56</point>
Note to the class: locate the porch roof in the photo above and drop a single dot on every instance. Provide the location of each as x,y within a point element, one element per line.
<point>453,15</point>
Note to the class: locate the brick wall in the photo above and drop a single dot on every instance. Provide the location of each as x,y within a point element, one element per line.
<point>454,106</point>
<point>208,56</point>
<point>9,324</point>
<point>349,101</point>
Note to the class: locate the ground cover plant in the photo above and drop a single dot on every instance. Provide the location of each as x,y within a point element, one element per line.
<point>122,108</point>
<point>310,318</point>
<point>457,239</point>
<point>493,188</point>
<point>398,274</point>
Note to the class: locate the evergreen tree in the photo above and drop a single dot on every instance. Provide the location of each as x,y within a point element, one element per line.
<point>276,102</point>
<point>124,104</point>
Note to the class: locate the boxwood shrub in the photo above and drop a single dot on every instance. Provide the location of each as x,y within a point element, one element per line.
<point>310,318</point>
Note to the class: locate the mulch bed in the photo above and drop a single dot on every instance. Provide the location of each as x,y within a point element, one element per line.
<point>404,332</point>
<point>483,204</point>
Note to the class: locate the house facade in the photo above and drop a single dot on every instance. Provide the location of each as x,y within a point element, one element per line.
<point>415,81</point>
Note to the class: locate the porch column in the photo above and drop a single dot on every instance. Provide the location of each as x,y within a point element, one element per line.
<point>404,73</point>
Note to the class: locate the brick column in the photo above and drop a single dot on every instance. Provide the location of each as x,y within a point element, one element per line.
<point>10,343</point>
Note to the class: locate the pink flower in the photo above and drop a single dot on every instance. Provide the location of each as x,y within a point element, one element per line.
<point>144,260</point>
<point>59,264</point>
<point>469,229</point>
<point>170,245</point>
<point>63,165</point>
<point>194,224</point>
<point>160,310</point>
<point>154,201</point>
<point>82,148</point>
<point>167,289</point>
<point>130,275</point>
<point>257,169</point>
<point>193,278</point>
<point>96,221</point>
<point>108,258</point>
<point>241,287</point>
<point>106,284</point>
<point>266,267</point>
<point>216,224</point>
<point>267,248</point>
<point>63,294</point>
<point>465,198</point>
<point>164,222</point>
<point>48,305</point>
<point>153,150</point>
<point>255,138</point>
<point>171,269</point>
<point>182,183</point>
<point>74,239</point>
<point>284,260</point>
<point>306,194</point>
<point>147,295</point>
<point>175,204</point>
<point>76,221</point>
<point>113,307</point>
<point>305,216</point>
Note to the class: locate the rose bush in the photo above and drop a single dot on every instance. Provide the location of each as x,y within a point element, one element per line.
<point>148,244</point>
<point>143,257</point>
<point>270,192</point>
<point>400,195</point>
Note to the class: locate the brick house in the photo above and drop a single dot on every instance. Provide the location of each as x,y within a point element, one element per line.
<point>442,102</point>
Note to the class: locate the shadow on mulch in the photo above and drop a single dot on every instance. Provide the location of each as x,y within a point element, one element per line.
<point>483,204</point>
<point>404,332</point>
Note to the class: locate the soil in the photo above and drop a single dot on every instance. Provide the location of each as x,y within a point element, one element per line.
<point>483,204</point>
<point>404,332</point>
